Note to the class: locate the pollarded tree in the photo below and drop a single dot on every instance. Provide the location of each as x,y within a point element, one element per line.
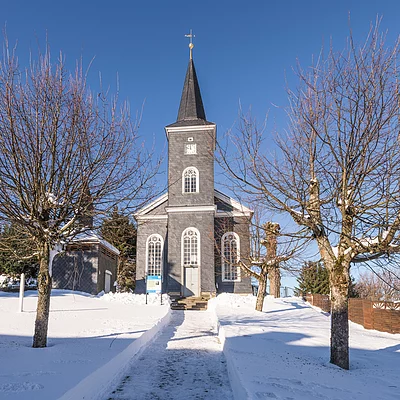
<point>271,244</point>
<point>336,170</point>
<point>59,142</point>
<point>269,264</point>
<point>269,258</point>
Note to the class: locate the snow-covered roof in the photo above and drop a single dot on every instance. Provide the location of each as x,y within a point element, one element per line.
<point>234,203</point>
<point>90,236</point>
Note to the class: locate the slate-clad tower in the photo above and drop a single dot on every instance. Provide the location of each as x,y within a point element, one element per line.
<point>191,145</point>
<point>193,235</point>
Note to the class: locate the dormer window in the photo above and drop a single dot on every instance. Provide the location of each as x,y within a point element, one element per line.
<point>190,180</point>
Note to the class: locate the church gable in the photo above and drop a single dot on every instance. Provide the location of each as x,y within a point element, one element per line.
<point>154,209</point>
<point>225,206</point>
<point>159,209</point>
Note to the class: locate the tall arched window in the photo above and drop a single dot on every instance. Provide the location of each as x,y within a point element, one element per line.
<point>154,257</point>
<point>191,247</point>
<point>230,248</point>
<point>190,180</point>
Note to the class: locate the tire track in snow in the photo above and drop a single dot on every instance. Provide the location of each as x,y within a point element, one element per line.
<point>184,362</point>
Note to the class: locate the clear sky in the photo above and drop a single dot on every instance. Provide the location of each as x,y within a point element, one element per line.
<point>243,49</point>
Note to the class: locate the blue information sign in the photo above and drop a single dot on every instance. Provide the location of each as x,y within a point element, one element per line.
<point>153,284</point>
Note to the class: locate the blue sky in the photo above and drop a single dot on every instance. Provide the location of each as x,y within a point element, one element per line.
<point>244,50</point>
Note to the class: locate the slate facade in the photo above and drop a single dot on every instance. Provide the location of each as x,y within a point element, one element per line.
<point>193,235</point>
<point>89,264</point>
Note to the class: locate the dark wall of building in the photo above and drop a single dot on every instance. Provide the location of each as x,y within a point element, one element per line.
<point>204,223</point>
<point>107,261</point>
<point>76,269</point>
<point>239,225</point>
<point>159,210</point>
<point>82,267</point>
<point>145,229</point>
<point>203,161</point>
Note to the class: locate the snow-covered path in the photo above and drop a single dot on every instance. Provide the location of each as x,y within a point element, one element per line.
<point>184,362</point>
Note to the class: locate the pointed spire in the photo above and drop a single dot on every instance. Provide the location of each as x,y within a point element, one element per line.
<point>191,107</point>
<point>191,110</point>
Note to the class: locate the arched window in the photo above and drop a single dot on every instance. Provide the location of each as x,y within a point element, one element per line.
<point>190,180</point>
<point>190,247</point>
<point>154,258</point>
<point>230,248</point>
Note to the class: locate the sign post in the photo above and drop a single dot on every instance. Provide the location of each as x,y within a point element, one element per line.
<point>21,293</point>
<point>154,285</point>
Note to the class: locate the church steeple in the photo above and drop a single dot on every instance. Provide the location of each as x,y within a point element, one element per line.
<point>191,106</point>
<point>191,110</point>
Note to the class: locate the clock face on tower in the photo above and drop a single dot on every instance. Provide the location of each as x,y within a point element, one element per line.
<point>190,148</point>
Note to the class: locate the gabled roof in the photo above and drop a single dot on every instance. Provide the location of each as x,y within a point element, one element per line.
<point>230,207</point>
<point>191,110</point>
<point>90,236</point>
<point>154,204</point>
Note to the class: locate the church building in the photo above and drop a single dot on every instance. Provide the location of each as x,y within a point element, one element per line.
<point>193,235</point>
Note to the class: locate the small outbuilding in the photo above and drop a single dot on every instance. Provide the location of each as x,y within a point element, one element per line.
<point>89,264</point>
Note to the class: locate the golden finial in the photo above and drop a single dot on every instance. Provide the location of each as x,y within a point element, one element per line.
<point>191,45</point>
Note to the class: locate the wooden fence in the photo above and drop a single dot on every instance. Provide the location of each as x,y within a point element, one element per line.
<point>383,316</point>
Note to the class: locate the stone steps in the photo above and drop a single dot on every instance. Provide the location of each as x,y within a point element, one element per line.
<point>189,303</point>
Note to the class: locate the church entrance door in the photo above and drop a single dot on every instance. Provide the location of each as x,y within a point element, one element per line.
<point>191,282</point>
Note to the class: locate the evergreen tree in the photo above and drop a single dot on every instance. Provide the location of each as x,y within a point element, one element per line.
<point>353,292</point>
<point>313,278</point>
<point>120,231</point>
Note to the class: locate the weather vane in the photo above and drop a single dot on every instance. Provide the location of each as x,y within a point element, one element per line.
<point>191,45</point>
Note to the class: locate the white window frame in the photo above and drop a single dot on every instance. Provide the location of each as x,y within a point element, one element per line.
<point>162,252</point>
<point>197,262</point>
<point>224,263</point>
<point>197,179</point>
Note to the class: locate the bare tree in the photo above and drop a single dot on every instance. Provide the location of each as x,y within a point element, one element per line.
<point>269,258</point>
<point>384,286</point>
<point>271,243</point>
<point>336,171</point>
<point>268,264</point>
<point>59,142</point>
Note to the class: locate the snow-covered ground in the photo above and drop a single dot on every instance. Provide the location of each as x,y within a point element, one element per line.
<point>184,362</point>
<point>85,334</point>
<point>115,343</point>
<point>283,353</point>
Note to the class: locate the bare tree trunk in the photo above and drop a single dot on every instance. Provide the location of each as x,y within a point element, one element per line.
<point>262,286</point>
<point>43,305</point>
<point>339,318</point>
<point>272,230</point>
<point>275,282</point>
<point>120,276</point>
